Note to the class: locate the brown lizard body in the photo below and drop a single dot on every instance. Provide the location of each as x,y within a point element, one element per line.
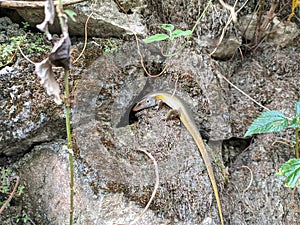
<point>176,104</point>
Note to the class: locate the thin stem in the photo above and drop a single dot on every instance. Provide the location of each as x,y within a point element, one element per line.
<point>297,143</point>
<point>193,29</point>
<point>64,28</point>
<point>201,16</point>
<point>70,147</point>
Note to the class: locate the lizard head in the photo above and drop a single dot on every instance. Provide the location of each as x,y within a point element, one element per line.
<point>146,102</point>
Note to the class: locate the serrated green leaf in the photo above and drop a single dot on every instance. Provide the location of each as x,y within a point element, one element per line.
<point>168,27</point>
<point>156,37</point>
<point>270,121</point>
<point>290,170</point>
<point>180,33</point>
<point>71,14</point>
<point>295,122</point>
<point>297,106</point>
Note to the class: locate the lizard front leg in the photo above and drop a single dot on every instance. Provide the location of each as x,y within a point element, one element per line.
<point>172,114</point>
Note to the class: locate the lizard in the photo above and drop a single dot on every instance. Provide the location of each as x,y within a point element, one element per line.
<point>179,109</point>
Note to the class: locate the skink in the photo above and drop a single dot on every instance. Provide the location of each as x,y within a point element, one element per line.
<point>177,106</point>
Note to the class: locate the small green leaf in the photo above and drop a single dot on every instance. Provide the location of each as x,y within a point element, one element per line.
<point>295,122</point>
<point>290,170</point>
<point>168,27</point>
<point>180,33</point>
<point>20,189</point>
<point>297,106</point>
<point>156,37</point>
<point>270,121</point>
<point>71,14</point>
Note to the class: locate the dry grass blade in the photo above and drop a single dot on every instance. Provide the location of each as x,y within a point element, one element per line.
<point>155,186</point>
<point>12,193</point>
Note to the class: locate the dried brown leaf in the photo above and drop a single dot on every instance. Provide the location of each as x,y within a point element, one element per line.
<point>60,54</point>
<point>49,18</point>
<point>45,72</point>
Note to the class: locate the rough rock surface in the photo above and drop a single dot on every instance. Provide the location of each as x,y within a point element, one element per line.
<point>112,172</point>
<point>24,118</point>
<point>45,172</point>
<point>107,20</point>
<point>113,161</point>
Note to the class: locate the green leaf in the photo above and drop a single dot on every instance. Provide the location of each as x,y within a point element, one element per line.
<point>156,37</point>
<point>295,122</point>
<point>20,189</point>
<point>180,33</point>
<point>270,121</point>
<point>297,106</point>
<point>71,14</point>
<point>290,170</point>
<point>168,27</point>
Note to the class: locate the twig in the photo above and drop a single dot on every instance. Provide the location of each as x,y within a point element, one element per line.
<point>22,53</point>
<point>202,15</point>
<point>10,60</point>
<point>142,60</point>
<point>12,193</point>
<point>32,4</point>
<point>85,31</point>
<point>155,186</point>
<point>231,18</point>
<point>282,141</point>
<point>256,102</point>
<point>231,9</point>
<point>270,16</point>
<point>138,46</point>
<point>120,6</point>
<point>251,180</point>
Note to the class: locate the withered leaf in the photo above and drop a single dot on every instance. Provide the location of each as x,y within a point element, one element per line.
<point>60,54</point>
<point>45,72</point>
<point>49,18</point>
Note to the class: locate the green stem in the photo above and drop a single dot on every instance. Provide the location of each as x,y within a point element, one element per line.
<point>193,29</point>
<point>70,147</point>
<point>202,15</point>
<point>169,45</point>
<point>297,143</point>
<point>68,119</point>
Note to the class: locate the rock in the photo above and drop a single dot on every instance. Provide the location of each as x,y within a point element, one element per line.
<point>107,20</point>
<point>109,146</point>
<point>227,48</point>
<point>9,29</point>
<point>114,179</point>
<point>269,78</point>
<point>277,33</point>
<point>261,192</point>
<point>282,33</point>
<point>28,116</point>
<point>45,174</point>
